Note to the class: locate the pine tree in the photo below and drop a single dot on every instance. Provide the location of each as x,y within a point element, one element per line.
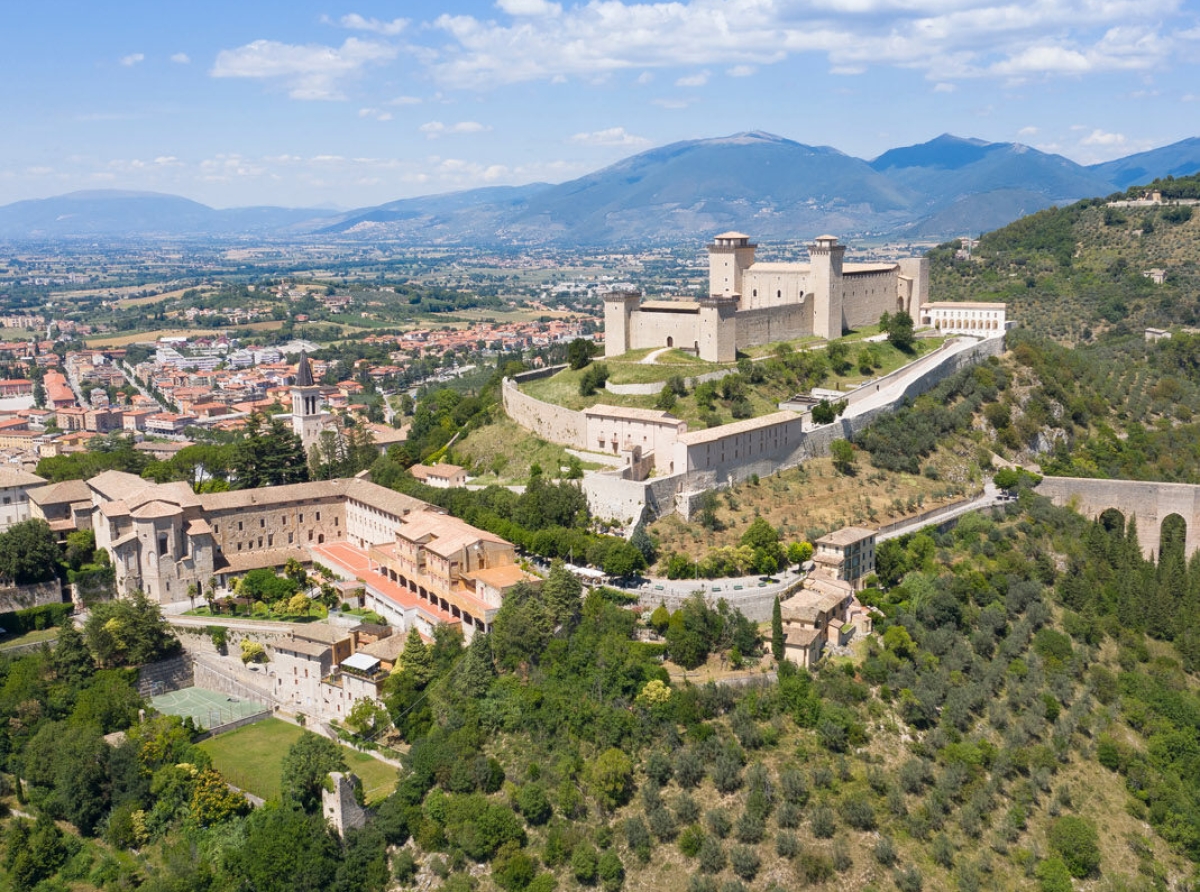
<point>415,659</point>
<point>777,631</point>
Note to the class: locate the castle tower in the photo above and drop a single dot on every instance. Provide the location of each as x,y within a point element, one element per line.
<point>825,282</point>
<point>618,314</point>
<point>729,255</point>
<point>717,329</point>
<point>307,418</point>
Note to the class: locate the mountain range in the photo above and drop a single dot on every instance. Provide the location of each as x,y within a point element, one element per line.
<point>766,185</point>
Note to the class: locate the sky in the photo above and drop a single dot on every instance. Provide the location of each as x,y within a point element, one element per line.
<point>352,103</point>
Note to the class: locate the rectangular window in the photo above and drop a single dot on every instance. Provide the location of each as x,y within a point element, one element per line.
<point>239,526</point>
<point>262,523</point>
<point>318,517</point>
<point>290,538</point>
<point>270,540</point>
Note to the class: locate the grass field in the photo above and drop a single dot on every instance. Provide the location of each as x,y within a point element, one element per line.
<point>252,758</point>
<point>149,337</point>
<point>127,302</point>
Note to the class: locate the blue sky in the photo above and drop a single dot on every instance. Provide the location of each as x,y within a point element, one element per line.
<point>311,103</point>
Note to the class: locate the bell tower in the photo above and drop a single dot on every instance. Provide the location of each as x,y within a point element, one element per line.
<point>307,418</point>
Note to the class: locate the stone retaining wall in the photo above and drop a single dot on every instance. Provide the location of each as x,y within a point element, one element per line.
<point>172,674</point>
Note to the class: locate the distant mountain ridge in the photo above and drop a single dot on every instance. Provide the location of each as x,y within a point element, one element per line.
<point>772,187</point>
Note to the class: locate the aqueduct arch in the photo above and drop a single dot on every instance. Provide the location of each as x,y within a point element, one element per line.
<point>1150,503</point>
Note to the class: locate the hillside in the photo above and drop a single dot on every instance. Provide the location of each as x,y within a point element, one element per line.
<point>1007,728</point>
<point>1075,272</point>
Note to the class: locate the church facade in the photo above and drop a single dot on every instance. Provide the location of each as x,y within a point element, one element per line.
<point>751,303</point>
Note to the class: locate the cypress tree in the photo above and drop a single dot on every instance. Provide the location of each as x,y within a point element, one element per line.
<point>777,631</point>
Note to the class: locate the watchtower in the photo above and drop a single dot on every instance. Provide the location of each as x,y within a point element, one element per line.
<point>825,283</point>
<point>729,255</point>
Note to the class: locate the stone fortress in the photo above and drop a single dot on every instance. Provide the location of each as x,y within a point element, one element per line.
<point>664,467</point>
<point>752,303</point>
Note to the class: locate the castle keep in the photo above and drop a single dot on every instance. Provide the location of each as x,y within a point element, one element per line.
<point>752,303</point>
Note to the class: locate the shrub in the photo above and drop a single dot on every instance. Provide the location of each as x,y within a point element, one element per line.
<point>662,825</point>
<point>858,812</point>
<point>718,822</point>
<point>690,840</point>
<point>637,837</point>
<point>404,867</point>
<point>745,862</point>
<point>584,863</point>
<point>686,809</point>
<point>1053,876</point>
<point>658,767</point>
<point>885,851</point>
<point>533,805</point>
<point>711,856</point>
<point>908,879</point>
<point>1076,841</point>
<point>513,869</point>
<point>822,822</point>
<point>787,844</point>
<point>750,828</point>
<point>611,871</point>
<point>814,867</point>
<point>788,816</point>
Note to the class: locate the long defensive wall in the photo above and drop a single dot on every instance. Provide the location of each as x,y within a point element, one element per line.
<point>703,460</point>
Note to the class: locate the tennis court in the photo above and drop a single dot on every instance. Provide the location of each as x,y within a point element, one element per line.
<point>208,709</point>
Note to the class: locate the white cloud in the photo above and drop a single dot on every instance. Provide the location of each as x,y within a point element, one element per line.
<point>434,129</point>
<point>312,71</point>
<point>693,80</point>
<point>944,88</point>
<point>181,58</point>
<point>741,70</point>
<point>533,8</point>
<point>1026,132</point>
<point>645,77</point>
<point>404,100</point>
<point>671,103</point>
<point>355,22</point>
<point>1189,97</point>
<point>376,114</point>
<point>947,40</point>
<point>613,136</point>
<point>1101,138</point>
<point>132,59</point>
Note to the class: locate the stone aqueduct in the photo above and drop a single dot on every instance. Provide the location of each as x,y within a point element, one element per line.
<point>1150,503</point>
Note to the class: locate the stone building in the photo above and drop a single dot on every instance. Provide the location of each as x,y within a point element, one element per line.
<point>847,554</point>
<point>751,303</point>
<point>985,320</point>
<point>16,487</point>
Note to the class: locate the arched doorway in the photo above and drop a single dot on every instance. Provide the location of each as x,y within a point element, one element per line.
<point>670,341</point>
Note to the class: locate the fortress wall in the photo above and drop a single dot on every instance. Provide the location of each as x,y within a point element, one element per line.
<point>655,387</point>
<point>797,446</point>
<point>550,422</point>
<point>770,324</point>
<point>866,297</point>
<point>766,289</point>
<point>537,374</point>
<point>649,328</point>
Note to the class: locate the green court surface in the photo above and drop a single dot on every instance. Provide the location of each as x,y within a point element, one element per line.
<point>208,709</point>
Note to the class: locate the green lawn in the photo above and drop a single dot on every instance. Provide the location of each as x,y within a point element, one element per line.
<point>251,758</point>
<point>34,637</point>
